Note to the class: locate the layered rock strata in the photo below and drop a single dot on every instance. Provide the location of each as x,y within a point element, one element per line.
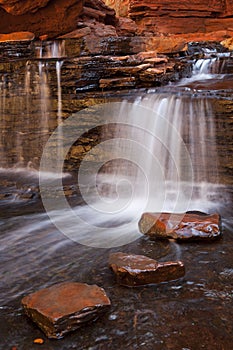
<point>179,17</point>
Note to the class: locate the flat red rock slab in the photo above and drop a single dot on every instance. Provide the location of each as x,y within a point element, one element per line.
<point>190,226</point>
<point>64,307</point>
<point>136,270</point>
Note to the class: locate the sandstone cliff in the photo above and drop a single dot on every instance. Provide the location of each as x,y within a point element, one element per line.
<point>53,18</point>
<point>177,16</point>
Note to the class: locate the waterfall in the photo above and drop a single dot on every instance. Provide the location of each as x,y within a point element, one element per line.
<point>167,147</point>
<point>51,49</point>
<point>162,157</point>
<point>206,68</point>
<point>26,97</point>
<point>59,107</point>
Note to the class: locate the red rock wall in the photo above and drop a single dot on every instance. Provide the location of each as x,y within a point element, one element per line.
<point>182,16</point>
<point>120,6</point>
<point>19,7</point>
<point>56,18</point>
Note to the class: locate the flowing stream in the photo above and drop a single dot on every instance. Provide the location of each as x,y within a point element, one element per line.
<point>168,150</point>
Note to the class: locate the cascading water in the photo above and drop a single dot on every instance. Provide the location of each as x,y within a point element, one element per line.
<point>177,159</point>
<point>33,100</point>
<point>163,163</point>
<point>158,154</point>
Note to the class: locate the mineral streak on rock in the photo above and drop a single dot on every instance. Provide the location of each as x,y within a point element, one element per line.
<point>65,307</point>
<point>136,270</point>
<point>190,226</point>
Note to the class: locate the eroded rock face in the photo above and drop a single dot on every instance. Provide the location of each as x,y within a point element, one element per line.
<point>191,226</point>
<point>96,9</point>
<point>19,7</point>
<point>65,307</point>
<point>56,18</point>
<point>178,17</point>
<point>120,6</point>
<point>136,270</point>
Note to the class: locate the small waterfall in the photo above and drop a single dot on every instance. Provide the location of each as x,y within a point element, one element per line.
<point>2,116</point>
<point>28,94</point>
<point>205,68</point>
<point>44,95</point>
<point>170,152</point>
<point>59,107</point>
<point>53,49</point>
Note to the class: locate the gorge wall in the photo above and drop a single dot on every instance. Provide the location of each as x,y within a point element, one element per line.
<point>52,18</point>
<point>177,16</point>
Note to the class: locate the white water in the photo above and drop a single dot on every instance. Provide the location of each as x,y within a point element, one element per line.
<point>174,168</point>
<point>53,49</point>
<point>206,69</point>
<point>25,109</point>
<point>165,160</point>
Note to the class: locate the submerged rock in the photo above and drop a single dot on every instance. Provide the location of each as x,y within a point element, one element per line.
<point>64,307</point>
<point>136,270</point>
<point>182,227</point>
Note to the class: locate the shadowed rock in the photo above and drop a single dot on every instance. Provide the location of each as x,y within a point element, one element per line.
<point>64,307</point>
<point>136,270</point>
<point>56,18</point>
<point>182,227</point>
<point>19,7</point>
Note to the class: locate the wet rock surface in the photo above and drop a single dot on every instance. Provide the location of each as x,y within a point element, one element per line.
<point>64,307</point>
<point>191,226</point>
<point>136,270</point>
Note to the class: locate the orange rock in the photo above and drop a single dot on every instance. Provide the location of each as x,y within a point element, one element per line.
<point>64,307</point>
<point>17,36</point>
<point>43,37</point>
<point>38,341</point>
<point>136,270</point>
<point>228,43</point>
<point>191,226</point>
<point>19,7</point>
<point>120,6</point>
<point>179,17</point>
<point>56,18</point>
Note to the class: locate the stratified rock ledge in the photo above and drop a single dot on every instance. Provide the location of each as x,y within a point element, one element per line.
<point>137,270</point>
<point>191,226</point>
<point>65,307</point>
